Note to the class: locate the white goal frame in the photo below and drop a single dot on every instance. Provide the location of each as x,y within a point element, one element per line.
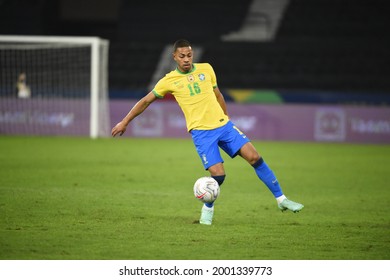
<point>97,65</point>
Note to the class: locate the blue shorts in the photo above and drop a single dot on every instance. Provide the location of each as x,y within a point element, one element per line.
<point>207,142</point>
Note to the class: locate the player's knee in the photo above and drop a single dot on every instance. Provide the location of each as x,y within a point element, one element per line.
<point>258,163</point>
<point>216,169</point>
<point>249,153</point>
<point>253,158</point>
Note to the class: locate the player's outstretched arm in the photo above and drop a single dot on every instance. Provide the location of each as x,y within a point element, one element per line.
<point>137,109</point>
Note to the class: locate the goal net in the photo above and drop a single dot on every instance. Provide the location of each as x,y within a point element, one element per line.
<point>54,86</point>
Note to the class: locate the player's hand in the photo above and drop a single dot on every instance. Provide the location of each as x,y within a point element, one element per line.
<point>120,128</point>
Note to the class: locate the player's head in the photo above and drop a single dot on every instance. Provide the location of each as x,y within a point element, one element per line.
<point>182,54</point>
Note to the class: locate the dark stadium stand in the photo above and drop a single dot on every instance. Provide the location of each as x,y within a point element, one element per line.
<point>335,44</point>
<point>338,45</point>
<point>144,29</point>
<point>328,45</point>
<point>162,22</point>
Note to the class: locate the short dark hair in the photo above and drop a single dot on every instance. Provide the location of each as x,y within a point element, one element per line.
<point>181,43</point>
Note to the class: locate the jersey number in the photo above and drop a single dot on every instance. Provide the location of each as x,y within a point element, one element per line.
<point>194,89</point>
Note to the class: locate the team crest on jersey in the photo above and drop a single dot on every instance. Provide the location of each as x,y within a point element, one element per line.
<point>202,77</point>
<point>191,78</point>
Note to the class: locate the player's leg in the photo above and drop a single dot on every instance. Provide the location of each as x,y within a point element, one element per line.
<point>206,144</point>
<point>217,171</point>
<point>267,176</point>
<point>235,143</point>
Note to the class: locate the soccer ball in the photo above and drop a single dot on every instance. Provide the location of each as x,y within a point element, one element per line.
<point>206,189</point>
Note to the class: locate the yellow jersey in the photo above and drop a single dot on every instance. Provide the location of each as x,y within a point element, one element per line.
<point>194,92</point>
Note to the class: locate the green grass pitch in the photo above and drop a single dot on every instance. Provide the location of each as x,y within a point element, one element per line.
<point>76,198</point>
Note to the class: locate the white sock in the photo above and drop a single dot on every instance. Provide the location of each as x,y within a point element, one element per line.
<point>281,198</point>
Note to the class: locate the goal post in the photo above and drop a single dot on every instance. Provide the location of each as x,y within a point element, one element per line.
<point>54,85</point>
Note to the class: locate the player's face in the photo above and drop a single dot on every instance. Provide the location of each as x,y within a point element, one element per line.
<point>183,58</point>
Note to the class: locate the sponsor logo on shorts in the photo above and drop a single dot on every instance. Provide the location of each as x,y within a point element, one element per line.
<point>204,158</point>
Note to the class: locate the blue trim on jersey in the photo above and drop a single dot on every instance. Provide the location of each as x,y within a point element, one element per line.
<point>208,142</point>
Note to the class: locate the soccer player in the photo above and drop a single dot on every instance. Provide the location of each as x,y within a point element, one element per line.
<point>194,86</point>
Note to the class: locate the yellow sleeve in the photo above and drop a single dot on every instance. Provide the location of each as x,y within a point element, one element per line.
<point>161,88</point>
<point>213,77</point>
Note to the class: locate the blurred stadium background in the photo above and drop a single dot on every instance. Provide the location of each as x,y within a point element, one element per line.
<point>325,61</point>
<point>291,70</point>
